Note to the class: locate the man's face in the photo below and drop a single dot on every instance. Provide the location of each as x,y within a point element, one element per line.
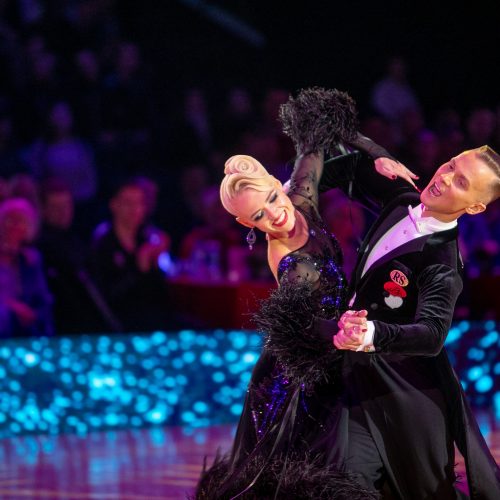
<point>58,210</point>
<point>459,186</point>
<point>129,207</point>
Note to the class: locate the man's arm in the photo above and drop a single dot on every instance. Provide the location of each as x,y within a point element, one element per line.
<point>439,286</point>
<point>366,173</point>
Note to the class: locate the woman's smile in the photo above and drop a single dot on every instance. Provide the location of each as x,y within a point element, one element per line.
<point>281,220</point>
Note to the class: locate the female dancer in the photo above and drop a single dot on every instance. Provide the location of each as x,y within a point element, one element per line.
<point>286,444</point>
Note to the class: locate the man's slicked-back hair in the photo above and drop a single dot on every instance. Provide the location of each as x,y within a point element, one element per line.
<point>492,159</point>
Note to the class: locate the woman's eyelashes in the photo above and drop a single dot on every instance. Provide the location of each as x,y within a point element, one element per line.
<point>272,199</point>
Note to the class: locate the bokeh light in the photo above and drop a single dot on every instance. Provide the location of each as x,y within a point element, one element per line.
<point>85,383</point>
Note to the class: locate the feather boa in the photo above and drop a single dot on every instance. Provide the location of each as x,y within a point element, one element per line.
<point>318,119</point>
<point>299,478</point>
<point>286,318</point>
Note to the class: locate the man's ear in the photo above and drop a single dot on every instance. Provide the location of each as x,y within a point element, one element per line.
<point>475,209</point>
<point>243,222</point>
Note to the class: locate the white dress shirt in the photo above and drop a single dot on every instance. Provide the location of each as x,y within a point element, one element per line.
<point>409,228</point>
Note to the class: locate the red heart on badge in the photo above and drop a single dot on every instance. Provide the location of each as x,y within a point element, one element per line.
<point>394,289</point>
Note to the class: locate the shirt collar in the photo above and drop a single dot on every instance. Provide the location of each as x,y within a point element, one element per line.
<point>427,225</point>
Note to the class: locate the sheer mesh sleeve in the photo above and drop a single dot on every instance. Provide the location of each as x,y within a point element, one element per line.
<point>304,181</point>
<point>369,147</point>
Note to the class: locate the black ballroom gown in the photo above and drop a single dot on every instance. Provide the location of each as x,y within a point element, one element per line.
<point>292,430</point>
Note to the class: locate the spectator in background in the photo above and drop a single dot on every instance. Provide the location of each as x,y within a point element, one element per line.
<point>378,127</point>
<point>424,154</point>
<point>127,109</point>
<point>24,186</point>
<point>78,305</point>
<point>41,88</point>
<point>191,134</point>
<point>237,117</point>
<point>346,220</point>
<point>151,191</point>
<point>478,246</point>
<point>214,249</point>
<point>268,141</point>
<point>10,162</point>
<point>267,147</point>
<point>183,201</point>
<point>3,189</point>
<point>25,301</point>
<point>448,128</point>
<point>412,122</point>
<point>86,98</point>
<point>124,258</point>
<point>480,128</point>
<point>63,154</point>
<point>392,96</point>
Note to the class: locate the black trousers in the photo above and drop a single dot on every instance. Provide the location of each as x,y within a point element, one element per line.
<point>363,457</point>
<point>364,460</point>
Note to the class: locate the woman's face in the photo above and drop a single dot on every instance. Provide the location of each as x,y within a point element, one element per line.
<point>269,210</point>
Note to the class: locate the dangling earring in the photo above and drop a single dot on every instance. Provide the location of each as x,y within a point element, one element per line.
<point>251,238</point>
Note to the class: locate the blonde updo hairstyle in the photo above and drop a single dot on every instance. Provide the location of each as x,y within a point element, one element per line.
<point>243,172</point>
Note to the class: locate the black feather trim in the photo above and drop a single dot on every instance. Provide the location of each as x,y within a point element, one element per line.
<point>318,119</point>
<point>301,478</point>
<point>286,319</point>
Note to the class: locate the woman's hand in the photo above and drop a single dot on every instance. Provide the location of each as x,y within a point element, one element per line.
<point>393,169</point>
<point>352,328</point>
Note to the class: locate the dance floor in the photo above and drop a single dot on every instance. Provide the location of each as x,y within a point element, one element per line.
<point>141,464</point>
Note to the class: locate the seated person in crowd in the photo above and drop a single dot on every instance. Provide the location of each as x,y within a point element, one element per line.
<point>346,219</point>
<point>219,236</point>
<point>124,259</point>
<point>78,305</point>
<point>25,301</point>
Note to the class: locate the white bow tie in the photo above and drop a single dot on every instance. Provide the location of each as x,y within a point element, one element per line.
<point>415,214</point>
<point>427,225</point>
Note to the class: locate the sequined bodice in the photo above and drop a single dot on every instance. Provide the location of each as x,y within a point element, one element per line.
<point>319,261</point>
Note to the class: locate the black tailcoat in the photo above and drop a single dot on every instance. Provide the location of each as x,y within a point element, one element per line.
<point>413,402</point>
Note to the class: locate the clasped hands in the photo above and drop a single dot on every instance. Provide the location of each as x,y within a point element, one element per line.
<point>352,328</point>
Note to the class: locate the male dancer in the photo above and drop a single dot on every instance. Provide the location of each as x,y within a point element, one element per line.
<point>406,406</point>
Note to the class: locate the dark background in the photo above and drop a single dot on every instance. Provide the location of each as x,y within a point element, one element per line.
<point>451,49</point>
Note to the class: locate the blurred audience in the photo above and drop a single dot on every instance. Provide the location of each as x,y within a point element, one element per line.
<point>10,162</point>
<point>394,98</point>
<point>78,305</point>
<point>191,134</point>
<point>83,102</point>
<point>480,128</point>
<point>237,117</point>
<point>124,257</point>
<point>25,301</point>
<point>60,153</point>
<point>424,154</point>
<point>24,186</point>
<point>346,220</point>
<point>214,250</point>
